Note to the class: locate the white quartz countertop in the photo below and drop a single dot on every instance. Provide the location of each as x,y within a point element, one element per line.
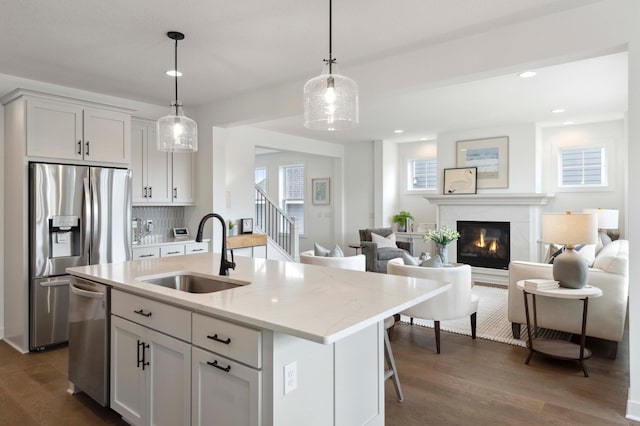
<point>312,302</point>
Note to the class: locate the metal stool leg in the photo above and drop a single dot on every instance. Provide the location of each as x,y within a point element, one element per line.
<point>391,372</point>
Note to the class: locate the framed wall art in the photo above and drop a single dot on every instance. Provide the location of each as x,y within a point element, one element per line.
<point>321,190</point>
<point>460,181</point>
<point>490,156</point>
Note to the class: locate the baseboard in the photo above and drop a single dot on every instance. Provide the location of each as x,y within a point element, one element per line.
<point>633,410</point>
<point>14,345</point>
<point>493,277</point>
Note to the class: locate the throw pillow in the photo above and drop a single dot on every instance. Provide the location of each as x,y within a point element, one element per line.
<point>336,252</point>
<point>381,241</point>
<point>318,250</point>
<point>588,251</point>
<point>434,262</point>
<point>410,260</point>
<point>553,252</point>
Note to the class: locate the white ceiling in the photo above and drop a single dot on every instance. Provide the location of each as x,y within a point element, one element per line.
<point>119,48</point>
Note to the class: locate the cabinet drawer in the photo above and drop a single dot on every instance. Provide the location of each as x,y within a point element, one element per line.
<point>173,250</point>
<point>159,316</point>
<point>146,252</point>
<point>193,248</point>
<point>234,341</point>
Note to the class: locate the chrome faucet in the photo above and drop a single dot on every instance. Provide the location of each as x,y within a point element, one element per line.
<point>224,263</point>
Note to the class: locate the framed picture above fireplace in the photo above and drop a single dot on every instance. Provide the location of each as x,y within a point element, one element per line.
<point>490,156</point>
<point>460,181</point>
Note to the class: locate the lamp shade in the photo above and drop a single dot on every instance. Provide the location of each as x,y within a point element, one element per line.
<point>569,229</point>
<point>607,218</point>
<point>331,101</point>
<point>176,132</point>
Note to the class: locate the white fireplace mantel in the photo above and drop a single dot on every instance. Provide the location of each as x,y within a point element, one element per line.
<point>502,199</point>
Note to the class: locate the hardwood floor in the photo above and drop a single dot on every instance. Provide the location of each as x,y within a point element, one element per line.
<point>473,382</point>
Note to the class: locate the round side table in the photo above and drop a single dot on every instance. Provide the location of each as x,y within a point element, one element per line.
<point>559,349</point>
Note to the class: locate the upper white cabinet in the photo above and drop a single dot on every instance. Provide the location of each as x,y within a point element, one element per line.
<point>68,131</point>
<point>150,167</point>
<point>159,178</point>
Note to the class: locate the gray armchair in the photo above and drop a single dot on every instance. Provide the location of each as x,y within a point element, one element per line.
<point>377,258</point>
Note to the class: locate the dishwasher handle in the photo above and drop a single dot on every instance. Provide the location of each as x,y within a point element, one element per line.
<point>86,293</point>
<point>54,283</point>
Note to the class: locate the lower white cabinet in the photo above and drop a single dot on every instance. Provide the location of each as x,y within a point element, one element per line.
<point>150,375</point>
<point>225,393</point>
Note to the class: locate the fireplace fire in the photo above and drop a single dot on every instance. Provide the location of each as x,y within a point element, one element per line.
<point>484,244</point>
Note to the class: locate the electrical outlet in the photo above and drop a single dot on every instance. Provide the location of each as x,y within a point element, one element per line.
<point>149,226</point>
<point>290,377</point>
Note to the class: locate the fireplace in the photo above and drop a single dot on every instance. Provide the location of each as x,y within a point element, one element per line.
<point>484,244</point>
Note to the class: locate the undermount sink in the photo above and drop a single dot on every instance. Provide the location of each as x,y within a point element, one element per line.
<point>192,283</point>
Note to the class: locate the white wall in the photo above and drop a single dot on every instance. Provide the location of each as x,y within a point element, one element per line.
<point>319,220</point>
<point>414,202</point>
<point>610,134</point>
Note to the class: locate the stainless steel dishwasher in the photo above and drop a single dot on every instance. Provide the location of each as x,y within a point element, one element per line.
<point>89,307</point>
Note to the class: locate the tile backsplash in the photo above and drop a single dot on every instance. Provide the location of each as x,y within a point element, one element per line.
<point>164,218</point>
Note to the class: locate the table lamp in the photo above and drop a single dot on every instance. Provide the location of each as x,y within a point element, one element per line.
<point>570,269</point>
<point>607,219</point>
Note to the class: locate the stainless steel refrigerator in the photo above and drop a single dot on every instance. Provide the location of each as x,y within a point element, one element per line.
<point>79,216</point>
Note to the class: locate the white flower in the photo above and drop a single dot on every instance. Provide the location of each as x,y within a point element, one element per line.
<point>444,235</point>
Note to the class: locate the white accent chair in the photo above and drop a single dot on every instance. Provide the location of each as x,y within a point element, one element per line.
<point>457,302</point>
<point>358,263</point>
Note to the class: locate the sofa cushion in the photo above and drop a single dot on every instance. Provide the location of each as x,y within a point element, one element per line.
<point>387,253</point>
<point>336,252</point>
<point>389,241</point>
<point>321,251</point>
<point>434,262</point>
<point>614,258</point>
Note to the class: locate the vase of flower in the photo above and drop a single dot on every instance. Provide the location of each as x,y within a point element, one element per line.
<point>442,238</point>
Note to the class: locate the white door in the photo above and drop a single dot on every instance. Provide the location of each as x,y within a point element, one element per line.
<point>54,130</point>
<point>127,376</point>
<point>107,136</point>
<point>225,393</point>
<point>168,380</point>
<point>157,170</point>
<point>183,177</point>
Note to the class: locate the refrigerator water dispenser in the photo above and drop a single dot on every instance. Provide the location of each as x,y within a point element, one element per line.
<point>64,236</point>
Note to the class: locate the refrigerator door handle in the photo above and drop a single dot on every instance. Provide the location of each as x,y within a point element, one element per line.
<point>86,293</point>
<point>86,217</point>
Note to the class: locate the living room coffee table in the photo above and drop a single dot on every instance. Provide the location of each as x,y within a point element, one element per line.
<point>559,349</point>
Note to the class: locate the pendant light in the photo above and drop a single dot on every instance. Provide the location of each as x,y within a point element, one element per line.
<point>331,99</point>
<point>176,132</point>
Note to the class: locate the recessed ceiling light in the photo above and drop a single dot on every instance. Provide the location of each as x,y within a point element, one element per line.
<point>398,131</point>
<point>558,110</point>
<point>527,74</point>
<point>568,123</point>
<point>173,73</point>
<point>423,139</point>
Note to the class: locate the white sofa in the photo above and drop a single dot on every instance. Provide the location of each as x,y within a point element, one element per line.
<point>357,262</point>
<point>606,314</point>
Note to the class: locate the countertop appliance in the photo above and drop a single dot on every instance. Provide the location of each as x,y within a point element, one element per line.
<point>79,215</point>
<point>89,307</point>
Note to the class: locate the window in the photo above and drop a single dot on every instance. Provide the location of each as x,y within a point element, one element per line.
<point>422,174</point>
<point>292,193</point>
<point>582,167</point>
<point>261,177</point>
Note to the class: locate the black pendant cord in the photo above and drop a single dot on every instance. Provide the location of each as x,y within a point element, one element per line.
<point>176,73</point>
<point>331,60</point>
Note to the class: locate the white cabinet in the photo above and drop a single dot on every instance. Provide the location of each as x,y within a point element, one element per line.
<point>159,177</point>
<point>225,393</point>
<point>229,386</point>
<point>150,370</point>
<point>151,252</point>
<point>193,248</point>
<point>68,131</point>
<point>151,168</point>
<point>172,250</point>
<point>146,252</point>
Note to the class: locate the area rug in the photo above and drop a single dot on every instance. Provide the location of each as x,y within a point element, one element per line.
<point>491,321</point>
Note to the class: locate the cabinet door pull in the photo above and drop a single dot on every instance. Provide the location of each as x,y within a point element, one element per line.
<point>87,150</point>
<point>140,359</point>
<point>197,249</point>
<point>215,337</point>
<point>173,252</point>
<point>143,313</point>
<point>151,192</point>
<point>215,364</point>
<point>144,192</point>
<point>147,255</point>
<point>79,147</point>
<point>144,355</point>
<point>175,192</point>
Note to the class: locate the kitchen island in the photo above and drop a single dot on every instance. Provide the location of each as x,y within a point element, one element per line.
<point>298,344</point>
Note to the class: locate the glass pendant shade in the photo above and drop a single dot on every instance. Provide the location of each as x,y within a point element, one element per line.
<point>331,101</point>
<point>176,132</point>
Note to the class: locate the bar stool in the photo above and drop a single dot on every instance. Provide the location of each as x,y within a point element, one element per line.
<point>391,372</point>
